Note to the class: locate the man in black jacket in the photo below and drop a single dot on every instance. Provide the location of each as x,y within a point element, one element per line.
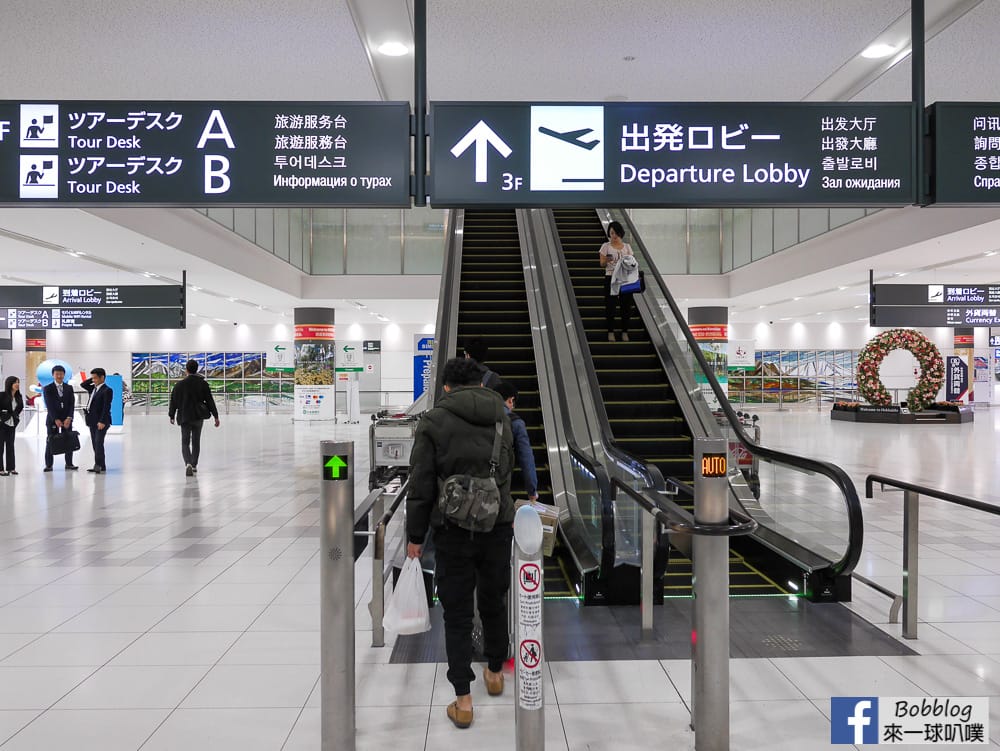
<point>456,437</point>
<point>192,403</point>
<point>59,404</point>
<point>98,415</point>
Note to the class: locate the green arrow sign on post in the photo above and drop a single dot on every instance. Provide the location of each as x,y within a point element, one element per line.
<point>335,468</point>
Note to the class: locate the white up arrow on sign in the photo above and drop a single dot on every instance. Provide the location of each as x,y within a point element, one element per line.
<point>481,134</point>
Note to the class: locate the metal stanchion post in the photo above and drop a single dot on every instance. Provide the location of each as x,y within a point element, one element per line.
<point>337,595</point>
<point>710,627</point>
<point>529,710</point>
<point>648,544</point>
<point>377,607</point>
<point>911,569</point>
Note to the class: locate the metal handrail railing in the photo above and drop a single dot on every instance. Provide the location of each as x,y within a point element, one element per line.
<point>911,536</point>
<point>840,478</point>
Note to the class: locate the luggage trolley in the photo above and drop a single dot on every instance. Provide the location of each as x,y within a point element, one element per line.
<point>739,456</point>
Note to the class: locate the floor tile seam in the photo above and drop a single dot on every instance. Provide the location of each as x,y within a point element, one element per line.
<point>430,708</point>
<point>674,685</point>
<point>298,717</point>
<point>39,713</point>
<point>787,677</point>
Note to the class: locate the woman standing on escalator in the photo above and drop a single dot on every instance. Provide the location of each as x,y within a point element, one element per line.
<point>611,252</point>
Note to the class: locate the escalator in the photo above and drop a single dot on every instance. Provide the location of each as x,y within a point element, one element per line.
<point>493,306</point>
<point>643,414</point>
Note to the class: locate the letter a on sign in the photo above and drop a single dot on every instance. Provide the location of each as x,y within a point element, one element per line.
<point>215,120</point>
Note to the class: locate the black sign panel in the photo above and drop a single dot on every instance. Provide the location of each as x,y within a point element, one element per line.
<point>93,307</point>
<point>661,154</point>
<point>936,294</point>
<point>936,315</point>
<point>966,152</point>
<point>371,345</point>
<point>74,153</point>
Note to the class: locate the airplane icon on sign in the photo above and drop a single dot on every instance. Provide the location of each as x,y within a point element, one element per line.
<point>571,136</point>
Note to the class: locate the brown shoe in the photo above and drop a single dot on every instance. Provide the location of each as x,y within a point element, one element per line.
<point>494,682</point>
<point>462,718</point>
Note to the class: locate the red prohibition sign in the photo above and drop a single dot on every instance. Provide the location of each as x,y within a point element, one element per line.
<point>531,653</point>
<point>530,576</point>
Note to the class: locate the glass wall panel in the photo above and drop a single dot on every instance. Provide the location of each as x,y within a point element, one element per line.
<point>296,237</point>
<point>328,241</point>
<point>664,232</point>
<point>706,248</point>
<point>264,231</point>
<point>423,240</point>
<point>786,228</point>
<point>281,233</point>
<point>222,216</point>
<point>373,241</point>
<point>761,233</point>
<point>741,237</point>
<point>727,240</point>
<point>245,224</point>
<point>840,217</point>
<point>813,222</point>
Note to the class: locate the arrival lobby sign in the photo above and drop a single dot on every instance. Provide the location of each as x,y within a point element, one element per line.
<point>109,153</point>
<point>671,154</point>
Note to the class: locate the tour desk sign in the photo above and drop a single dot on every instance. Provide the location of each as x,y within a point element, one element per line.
<point>966,139</point>
<point>78,153</point>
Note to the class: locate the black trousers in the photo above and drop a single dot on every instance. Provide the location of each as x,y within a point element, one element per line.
<point>470,566</point>
<point>191,441</point>
<point>53,429</point>
<point>7,434</point>
<point>624,307</point>
<point>97,439</point>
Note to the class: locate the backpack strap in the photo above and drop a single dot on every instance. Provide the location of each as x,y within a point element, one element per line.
<point>495,458</point>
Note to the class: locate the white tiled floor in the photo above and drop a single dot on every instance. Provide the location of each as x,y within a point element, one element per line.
<point>145,610</point>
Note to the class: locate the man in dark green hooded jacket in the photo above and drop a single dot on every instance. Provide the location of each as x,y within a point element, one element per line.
<point>456,437</point>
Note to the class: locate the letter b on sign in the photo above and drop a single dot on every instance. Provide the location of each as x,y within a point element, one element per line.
<point>216,174</point>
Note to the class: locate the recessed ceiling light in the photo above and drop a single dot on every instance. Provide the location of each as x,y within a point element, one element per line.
<point>878,50</point>
<point>841,288</point>
<point>761,307</point>
<point>990,253</point>
<point>222,320</point>
<point>863,319</point>
<point>820,313</point>
<point>796,299</point>
<point>393,49</point>
<point>194,288</point>
<point>858,306</point>
<point>900,273</point>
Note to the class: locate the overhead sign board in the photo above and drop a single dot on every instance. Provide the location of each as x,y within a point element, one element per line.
<point>108,153</point>
<point>935,305</point>
<point>966,138</point>
<point>663,154</point>
<point>92,307</point>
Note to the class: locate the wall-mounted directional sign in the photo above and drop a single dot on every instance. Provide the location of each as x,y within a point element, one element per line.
<point>935,305</point>
<point>966,138</point>
<point>661,154</point>
<point>107,153</point>
<point>91,307</point>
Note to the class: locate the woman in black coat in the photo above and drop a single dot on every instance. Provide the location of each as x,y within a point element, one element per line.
<point>11,404</point>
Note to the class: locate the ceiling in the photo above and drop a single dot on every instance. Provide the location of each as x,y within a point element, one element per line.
<point>638,50</point>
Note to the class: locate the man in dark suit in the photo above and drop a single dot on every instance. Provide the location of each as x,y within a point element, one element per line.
<point>98,415</point>
<point>59,403</point>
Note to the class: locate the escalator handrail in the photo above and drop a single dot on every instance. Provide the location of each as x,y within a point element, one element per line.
<point>652,472</point>
<point>742,524</point>
<point>447,303</point>
<point>855,520</point>
<point>608,552</point>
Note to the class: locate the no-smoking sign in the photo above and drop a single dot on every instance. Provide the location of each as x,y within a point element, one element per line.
<point>531,653</point>
<point>530,576</point>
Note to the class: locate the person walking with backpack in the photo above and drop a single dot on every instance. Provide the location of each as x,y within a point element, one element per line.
<point>465,442</point>
<point>522,444</point>
<point>191,403</point>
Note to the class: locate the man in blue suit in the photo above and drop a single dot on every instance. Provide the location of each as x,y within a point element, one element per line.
<point>98,415</point>
<point>59,403</point>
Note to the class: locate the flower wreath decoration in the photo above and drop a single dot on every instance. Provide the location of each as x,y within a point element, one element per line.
<point>931,368</point>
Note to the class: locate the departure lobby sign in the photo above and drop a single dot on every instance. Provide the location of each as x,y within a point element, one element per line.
<point>966,137</point>
<point>663,154</point>
<point>108,153</point>
<point>149,306</point>
<point>928,305</point>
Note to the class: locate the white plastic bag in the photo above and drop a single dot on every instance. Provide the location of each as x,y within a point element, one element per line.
<point>407,612</point>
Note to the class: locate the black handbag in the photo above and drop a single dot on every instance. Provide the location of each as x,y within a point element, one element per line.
<point>64,442</point>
